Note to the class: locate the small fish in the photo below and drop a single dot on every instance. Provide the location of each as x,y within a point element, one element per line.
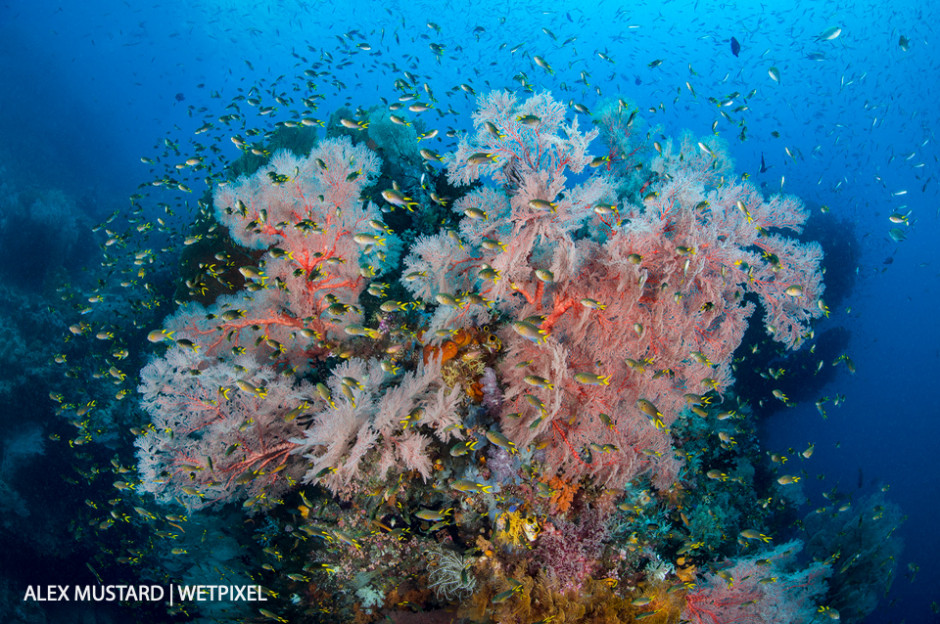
<point>592,304</point>
<point>251,273</point>
<point>489,274</point>
<point>393,306</point>
<point>159,335</point>
<point>353,125</point>
<point>469,487</point>
<point>431,515</point>
<point>482,158</point>
<point>351,382</point>
<point>647,407</point>
<point>503,596</point>
<point>500,440</point>
<point>463,448</point>
<point>295,412</point>
<point>541,205</point>
<point>829,34</point>
<point>414,275</point>
<point>546,276</point>
<point>535,402</point>
<point>493,130</point>
<point>368,239</point>
<point>476,214</point>
<point>271,616</point>
<point>396,198</point>
<point>430,155</point>
<point>446,299</point>
<point>735,46</point>
<point>538,382</point>
<point>753,534</point>
<point>245,386</point>
<point>187,344</point>
<point>529,331</point>
<point>774,74</point>
<point>635,365</point>
<point>324,393</point>
<point>543,64</point>
<point>144,513</point>
<point>492,244</point>
<point>590,379</point>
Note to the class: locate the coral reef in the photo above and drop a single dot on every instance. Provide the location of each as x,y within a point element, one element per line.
<point>532,433</point>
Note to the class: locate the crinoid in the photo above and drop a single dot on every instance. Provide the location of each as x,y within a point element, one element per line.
<point>450,575</point>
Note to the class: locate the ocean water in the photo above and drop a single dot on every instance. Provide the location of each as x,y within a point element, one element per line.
<point>117,123</point>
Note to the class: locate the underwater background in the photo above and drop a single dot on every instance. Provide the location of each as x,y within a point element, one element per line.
<point>117,122</point>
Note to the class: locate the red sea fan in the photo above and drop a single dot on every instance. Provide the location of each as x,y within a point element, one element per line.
<point>764,588</point>
<point>225,399</point>
<point>621,310</point>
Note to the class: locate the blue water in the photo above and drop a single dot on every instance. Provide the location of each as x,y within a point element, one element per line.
<point>89,88</point>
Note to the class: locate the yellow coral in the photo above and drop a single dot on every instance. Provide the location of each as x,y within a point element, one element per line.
<point>515,529</point>
<point>450,374</point>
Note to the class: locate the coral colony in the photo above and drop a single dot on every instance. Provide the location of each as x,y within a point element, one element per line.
<point>525,416</point>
